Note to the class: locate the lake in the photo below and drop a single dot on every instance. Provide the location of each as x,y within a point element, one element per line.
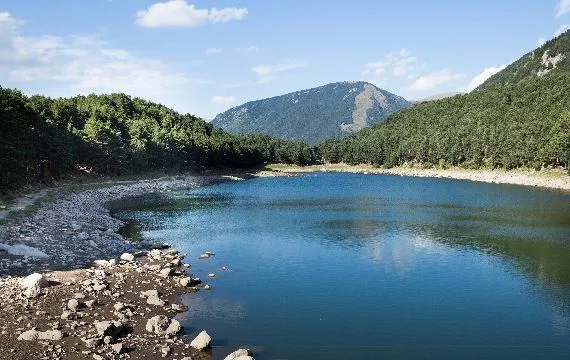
<point>355,266</point>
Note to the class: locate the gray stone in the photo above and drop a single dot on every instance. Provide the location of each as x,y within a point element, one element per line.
<point>202,341</point>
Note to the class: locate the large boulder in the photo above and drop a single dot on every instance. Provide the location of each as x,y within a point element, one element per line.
<point>202,341</point>
<point>241,354</point>
<point>163,326</point>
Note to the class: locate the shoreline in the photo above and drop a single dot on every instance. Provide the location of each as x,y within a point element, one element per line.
<point>557,180</point>
<point>89,294</point>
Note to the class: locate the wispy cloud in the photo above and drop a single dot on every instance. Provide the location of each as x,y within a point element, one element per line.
<point>407,71</point>
<point>483,76</point>
<point>223,100</point>
<point>434,79</point>
<point>248,50</point>
<point>563,7</point>
<point>179,13</point>
<point>83,64</point>
<point>213,51</point>
<point>268,73</point>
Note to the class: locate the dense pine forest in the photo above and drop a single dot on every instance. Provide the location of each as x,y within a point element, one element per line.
<point>42,139</point>
<point>519,118</point>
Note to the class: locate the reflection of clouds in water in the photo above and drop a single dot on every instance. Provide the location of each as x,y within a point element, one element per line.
<point>400,252</point>
<point>214,309</point>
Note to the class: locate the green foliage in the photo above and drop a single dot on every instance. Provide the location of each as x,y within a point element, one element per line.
<point>310,115</point>
<point>526,124</point>
<point>43,139</point>
<point>532,63</point>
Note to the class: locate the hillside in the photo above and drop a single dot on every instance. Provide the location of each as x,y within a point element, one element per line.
<point>43,139</point>
<point>313,115</point>
<point>518,118</point>
<point>553,55</point>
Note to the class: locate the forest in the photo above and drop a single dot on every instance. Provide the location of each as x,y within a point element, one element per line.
<point>44,139</point>
<point>525,124</point>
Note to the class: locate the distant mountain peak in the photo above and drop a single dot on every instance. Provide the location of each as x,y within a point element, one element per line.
<point>316,114</point>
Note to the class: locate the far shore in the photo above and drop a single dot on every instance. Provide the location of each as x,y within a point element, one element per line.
<point>552,179</point>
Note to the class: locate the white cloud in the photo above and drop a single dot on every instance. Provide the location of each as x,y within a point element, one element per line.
<point>434,79</point>
<point>270,73</point>
<point>561,29</point>
<point>398,64</point>
<point>223,100</point>
<point>212,51</point>
<point>482,76</point>
<point>83,64</point>
<point>563,7</point>
<point>248,50</point>
<point>178,13</point>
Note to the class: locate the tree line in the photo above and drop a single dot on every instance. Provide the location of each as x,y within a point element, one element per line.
<point>42,139</point>
<point>513,125</point>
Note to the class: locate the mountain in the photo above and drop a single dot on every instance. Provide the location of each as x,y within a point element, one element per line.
<point>520,117</point>
<point>313,115</point>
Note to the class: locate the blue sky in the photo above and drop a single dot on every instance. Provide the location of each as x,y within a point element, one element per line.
<point>205,56</point>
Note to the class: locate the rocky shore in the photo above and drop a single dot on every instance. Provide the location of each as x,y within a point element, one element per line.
<point>72,288</point>
<point>547,179</point>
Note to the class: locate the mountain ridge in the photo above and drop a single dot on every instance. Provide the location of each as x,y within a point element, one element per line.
<point>313,115</point>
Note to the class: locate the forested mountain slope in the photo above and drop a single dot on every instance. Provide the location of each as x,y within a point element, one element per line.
<point>43,139</point>
<point>313,115</point>
<point>517,119</point>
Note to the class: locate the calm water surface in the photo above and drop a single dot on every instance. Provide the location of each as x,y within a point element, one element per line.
<point>346,266</point>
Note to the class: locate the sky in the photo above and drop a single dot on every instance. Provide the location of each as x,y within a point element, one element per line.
<point>205,56</point>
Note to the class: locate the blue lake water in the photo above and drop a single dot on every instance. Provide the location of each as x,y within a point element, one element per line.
<point>353,266</point>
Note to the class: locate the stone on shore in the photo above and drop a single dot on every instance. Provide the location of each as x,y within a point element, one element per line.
<point>127,257</point>
<point>162,326</point>
<point>241,354</point>
<point>33,335</point>
<point>202,341</point>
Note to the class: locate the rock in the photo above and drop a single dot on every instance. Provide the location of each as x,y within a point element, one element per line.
<point>90,303</point>
<point>108,328</point>
<point>34,280</point>
<point>202,341</point>
<point>119,306</point>
<point>50,335</point>
<point>92,342</point>
<point>112,262</point>
<point>73,305</point>
<point>98,357</point>
<point>30,335</point>
<point>107,340</point>
<point>117,348</point>
<point>165,351</point>
<point>241,354</point>
<point>185,281</point>
<point>162,326</point>
<point>187,266</point>
<point>149,293</point>
<point>127,257</point>
<point>166,272</point>
<point>101,263</point>
<point>155,300</point>
<point>33,335</point>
